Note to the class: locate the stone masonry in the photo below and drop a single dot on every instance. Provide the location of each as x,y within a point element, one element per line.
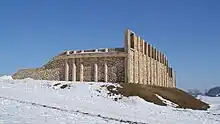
<point>138,62</point>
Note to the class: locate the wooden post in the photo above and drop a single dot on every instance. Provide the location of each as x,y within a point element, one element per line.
<point>106,68</point>
<point>139,58</point>
<point>96,70</point>
<point>74,71</point>
<point>67,67</point>
<point>81,68</point>
<point>159,69</point>
<point>127,46</point>
<point>66,70</point>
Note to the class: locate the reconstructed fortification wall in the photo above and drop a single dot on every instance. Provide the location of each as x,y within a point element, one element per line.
<point>138,62</point>
<point>145,64</point>
<point>86,69</point>
<point>88,65</point>
<point>95,65</point>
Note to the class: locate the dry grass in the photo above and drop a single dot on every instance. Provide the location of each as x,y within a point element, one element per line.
<point>183,99</point>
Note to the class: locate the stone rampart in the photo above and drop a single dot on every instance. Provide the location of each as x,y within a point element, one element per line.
<point>137,62</point>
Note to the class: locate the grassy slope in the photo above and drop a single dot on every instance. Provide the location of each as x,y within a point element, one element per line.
<point>183,99</point>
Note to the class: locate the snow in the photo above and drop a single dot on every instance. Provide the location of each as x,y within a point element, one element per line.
<point>6,77</point>
<point>213,101</point>
<point>167,102</point>
<point>34,101</point>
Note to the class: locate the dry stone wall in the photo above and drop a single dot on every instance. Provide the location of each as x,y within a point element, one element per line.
<point>38,74</point>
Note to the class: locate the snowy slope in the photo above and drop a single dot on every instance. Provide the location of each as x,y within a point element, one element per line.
<point>214,103</point>
<point>32,101</point>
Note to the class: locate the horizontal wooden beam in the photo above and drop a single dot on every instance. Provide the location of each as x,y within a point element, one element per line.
<point>88,55</point>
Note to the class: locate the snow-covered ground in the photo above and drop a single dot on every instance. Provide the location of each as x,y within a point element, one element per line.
<point>30,101</point>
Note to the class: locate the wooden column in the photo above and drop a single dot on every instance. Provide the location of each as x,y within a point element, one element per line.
<point>74,68</point>
<point>165,71</point>
<point>96,70</point>
<point>81,69</point>
<point>127,46</point>
<point>106,68</point>
<point>159,69</point>
<point>150,64</point>
<point>135,69</point>
<point>74,71</point>
<point>139,58</point>
<point>174,79</point>
<point>66,70</point>
<point>155,68</point>
<point>162,71</point>
<point>166,74</point>
<point>146,62</point>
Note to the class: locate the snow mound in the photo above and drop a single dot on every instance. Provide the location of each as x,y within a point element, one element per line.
<point>34,101</point>
<point>6,77</point>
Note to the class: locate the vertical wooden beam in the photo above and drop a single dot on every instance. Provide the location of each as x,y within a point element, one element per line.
<point>167,75</point>
<point>171,77</point>
<point>106,68</point>
<point>139,59</point>
<point>106,72</point>
<point>135,69</point>
<point>142,66</point>
<point>66,70</point>
<point>96,69</point>
<point>146,62</point>
<point>163,71</point>
<point>81,68</point>
<point>151,66</point>
<point>127,46</point>
<point>96,72</point>
<point>167,64</point>
<point>159,69</point>
<point>174,79</point>
<point>74,70</point>
<point>155,66</point>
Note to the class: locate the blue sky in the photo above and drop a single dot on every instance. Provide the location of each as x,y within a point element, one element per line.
<point>187,31</point>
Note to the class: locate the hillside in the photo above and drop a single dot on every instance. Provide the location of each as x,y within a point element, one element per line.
<point>33,101</point>
<point>214,92</point>
<point>150,94</point>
